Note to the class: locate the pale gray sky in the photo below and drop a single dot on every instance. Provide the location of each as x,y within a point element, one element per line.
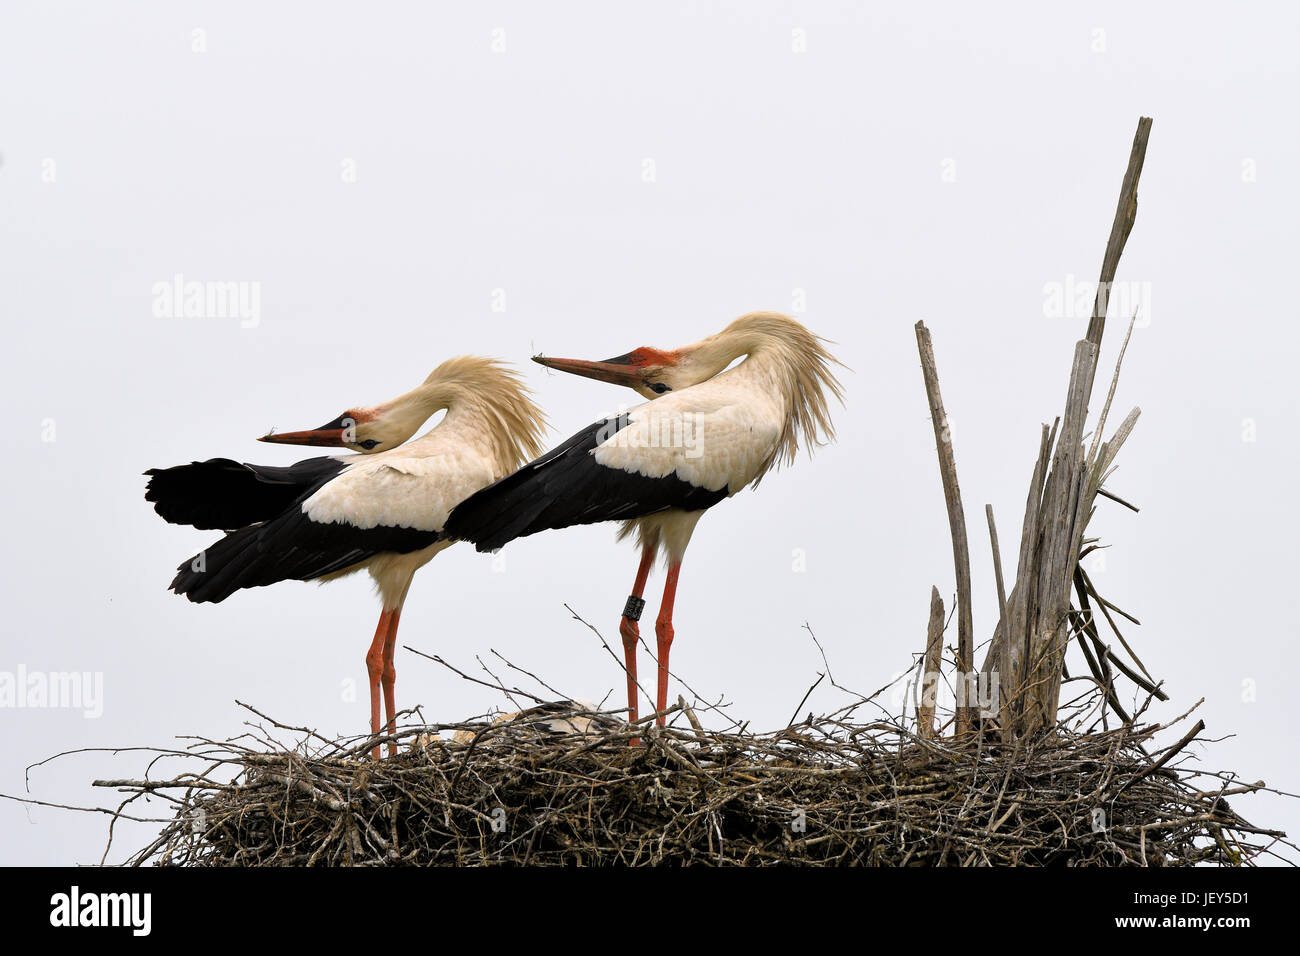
<point>387,175</point>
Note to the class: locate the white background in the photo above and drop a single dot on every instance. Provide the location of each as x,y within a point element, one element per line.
<point>522,170</point>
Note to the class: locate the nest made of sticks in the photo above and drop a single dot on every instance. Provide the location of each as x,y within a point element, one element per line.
<point>560,785</point>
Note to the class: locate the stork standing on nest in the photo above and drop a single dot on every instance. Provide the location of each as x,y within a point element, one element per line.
<point>382,510</point>
<point>708,432</point>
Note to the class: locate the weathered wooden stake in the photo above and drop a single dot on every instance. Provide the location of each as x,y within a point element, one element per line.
<point>956,523</point>
<point>930,671</point>
<point>1027,654</point>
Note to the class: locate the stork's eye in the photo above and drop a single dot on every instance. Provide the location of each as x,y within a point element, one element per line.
<point>659,388</point>
<point>368,444</point>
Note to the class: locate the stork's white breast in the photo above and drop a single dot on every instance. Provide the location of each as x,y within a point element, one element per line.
<point>401,491</point>
<point>710,438</point>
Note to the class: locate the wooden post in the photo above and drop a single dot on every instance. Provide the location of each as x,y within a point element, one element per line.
<point>1058,555</point>
<point>1071,487</point>
<point>1027,653</point>
<point>1125,216</point>
<point>930,672</point>
<point>956,523</point>
<point>998,646</point>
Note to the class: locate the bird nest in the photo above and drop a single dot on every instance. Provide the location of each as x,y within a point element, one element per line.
<point>560,785</point>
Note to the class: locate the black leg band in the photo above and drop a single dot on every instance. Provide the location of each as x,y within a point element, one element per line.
<point>632,610</point>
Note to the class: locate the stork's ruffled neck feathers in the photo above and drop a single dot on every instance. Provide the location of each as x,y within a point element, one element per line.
<point>799,363</point>
<point>781,357</point>
<point>484,390</point>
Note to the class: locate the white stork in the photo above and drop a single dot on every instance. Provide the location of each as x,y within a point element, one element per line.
<point>708,431</point>
<point>382,510</point>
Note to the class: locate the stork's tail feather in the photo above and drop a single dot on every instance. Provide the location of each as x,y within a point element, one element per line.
<point>231,563</point>
<point>213,574</point>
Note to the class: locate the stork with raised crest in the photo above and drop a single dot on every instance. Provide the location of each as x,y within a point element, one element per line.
<point>383,509</point>
<point>708,431</point>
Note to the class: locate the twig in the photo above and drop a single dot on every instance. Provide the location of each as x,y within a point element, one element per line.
<point>1110,396</point>
<point>1114,497</point>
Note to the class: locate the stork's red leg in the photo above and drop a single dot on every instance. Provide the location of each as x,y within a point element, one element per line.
<point>389,678</point>
<point>627,627</point>
<point>664,632</point>
<point>375,669</point>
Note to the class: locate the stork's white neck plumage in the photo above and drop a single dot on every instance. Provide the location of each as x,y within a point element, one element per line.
<point>781,356</point>
<point>485,403</point>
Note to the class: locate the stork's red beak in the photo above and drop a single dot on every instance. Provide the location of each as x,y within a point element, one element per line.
<point>331,433</point>
<point>315,436</point>
<point>618,371</point>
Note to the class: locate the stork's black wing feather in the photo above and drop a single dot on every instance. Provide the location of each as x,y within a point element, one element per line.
<point>270,539</point>
<point>221,494</point>
<point>567,486</point>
